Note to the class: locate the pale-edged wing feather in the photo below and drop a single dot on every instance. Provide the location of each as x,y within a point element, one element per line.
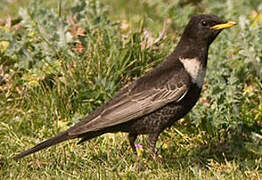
<point>131,106</point>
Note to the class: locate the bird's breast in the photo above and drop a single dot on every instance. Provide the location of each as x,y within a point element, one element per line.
<point>195,69</point>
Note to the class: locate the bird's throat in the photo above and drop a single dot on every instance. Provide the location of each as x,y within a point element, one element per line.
<point>190,49</point>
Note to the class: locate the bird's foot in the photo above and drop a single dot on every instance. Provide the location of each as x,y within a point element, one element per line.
<point>155,156</point>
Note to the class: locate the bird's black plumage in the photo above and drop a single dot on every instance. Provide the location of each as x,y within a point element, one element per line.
<point>158,99</point>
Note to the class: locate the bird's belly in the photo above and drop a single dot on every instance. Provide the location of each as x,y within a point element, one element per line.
<point>163,118</point>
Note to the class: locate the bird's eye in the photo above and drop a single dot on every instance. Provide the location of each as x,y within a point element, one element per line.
<point>204,23</point>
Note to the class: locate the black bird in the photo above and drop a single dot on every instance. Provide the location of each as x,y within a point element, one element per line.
<point>158,99</point>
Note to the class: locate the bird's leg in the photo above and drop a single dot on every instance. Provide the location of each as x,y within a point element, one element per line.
<point>152,143</point>
<point>132,138</point>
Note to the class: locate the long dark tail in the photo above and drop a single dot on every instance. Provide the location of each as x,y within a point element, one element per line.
<point>50,142</point>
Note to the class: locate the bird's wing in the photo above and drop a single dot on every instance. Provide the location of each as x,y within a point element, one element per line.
<point>130,106</point>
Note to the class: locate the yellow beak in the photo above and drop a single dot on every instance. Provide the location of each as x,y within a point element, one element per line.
<point>228,24</point>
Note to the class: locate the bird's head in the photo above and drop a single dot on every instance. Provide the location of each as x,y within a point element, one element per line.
<point>205,28</point>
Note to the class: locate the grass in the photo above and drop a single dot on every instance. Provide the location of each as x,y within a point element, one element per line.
<point>59,61</point>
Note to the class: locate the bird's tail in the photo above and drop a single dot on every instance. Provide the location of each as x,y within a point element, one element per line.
<point>50,142</point>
